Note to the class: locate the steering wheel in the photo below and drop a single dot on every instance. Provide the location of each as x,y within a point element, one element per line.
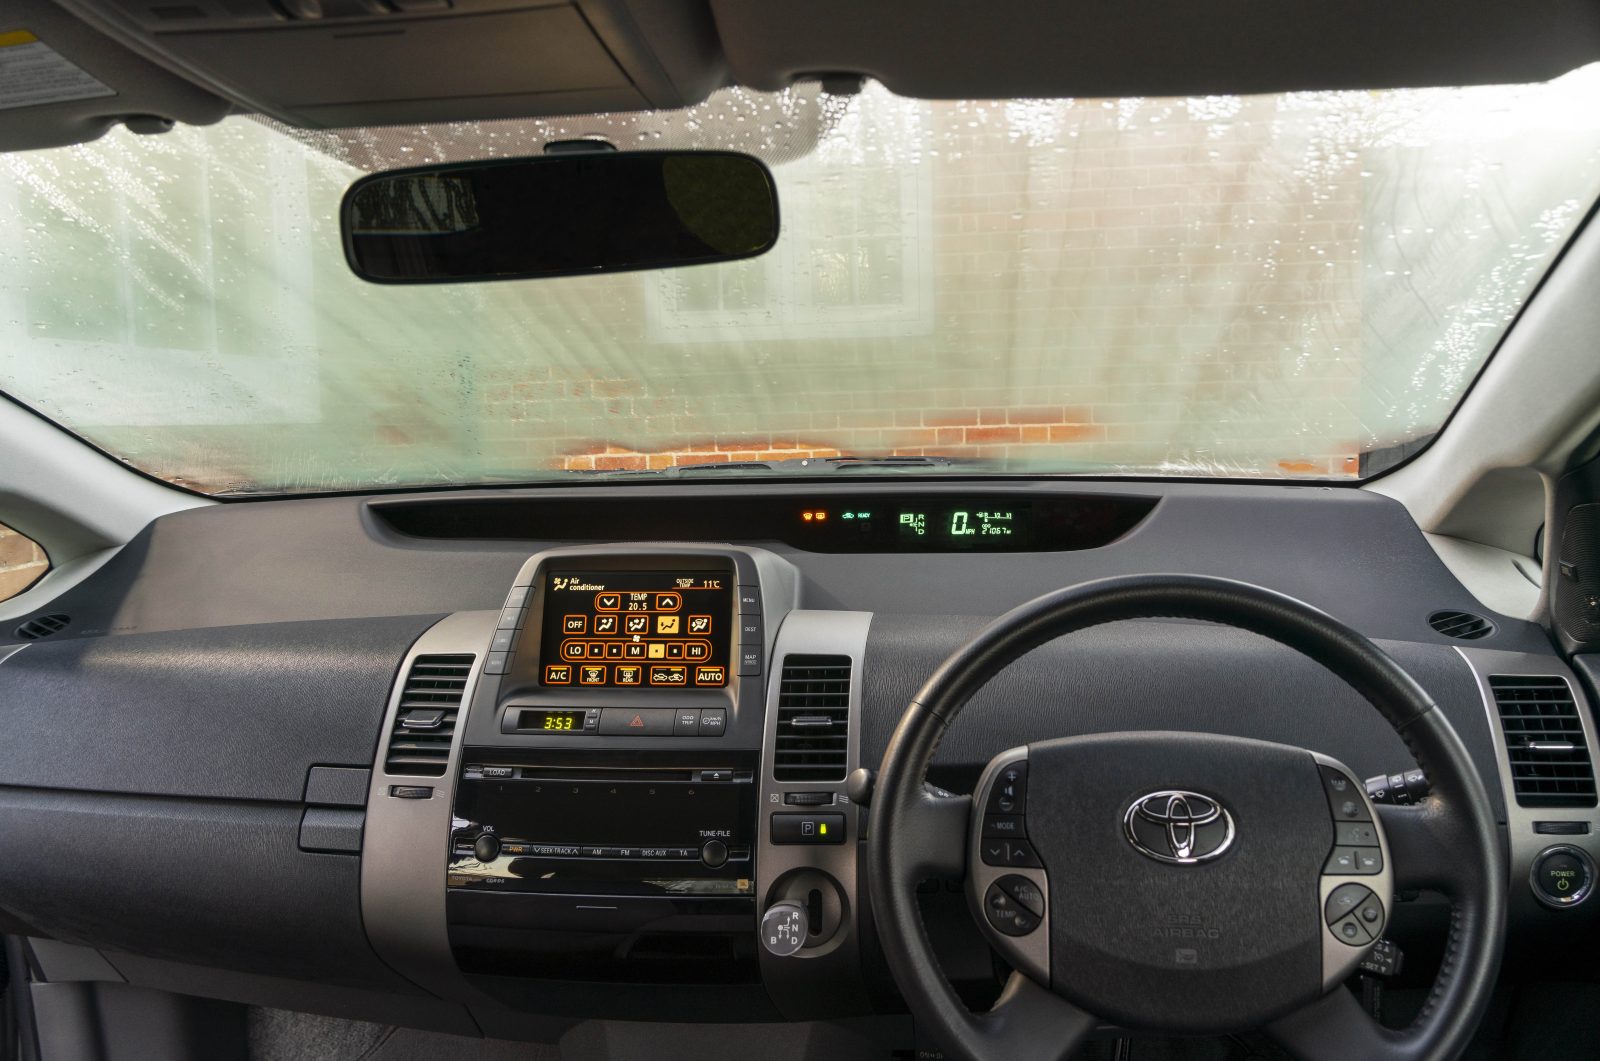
<point>1183,883</point>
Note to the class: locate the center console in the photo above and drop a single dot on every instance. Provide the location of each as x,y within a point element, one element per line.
<point>608,801</point>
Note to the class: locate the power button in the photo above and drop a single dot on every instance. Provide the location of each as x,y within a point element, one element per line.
<point>1562,876</point>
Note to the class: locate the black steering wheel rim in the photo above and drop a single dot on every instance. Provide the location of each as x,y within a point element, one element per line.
<point>1457,822</point>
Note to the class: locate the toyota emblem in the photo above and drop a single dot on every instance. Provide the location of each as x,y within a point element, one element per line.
<point>1178,827</point>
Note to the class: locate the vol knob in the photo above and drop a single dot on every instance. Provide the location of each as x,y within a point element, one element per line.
<point>486,848</point>
<point>784,927</point>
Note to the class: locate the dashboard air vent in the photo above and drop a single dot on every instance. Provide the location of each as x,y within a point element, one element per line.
<point>425,723</point>
<point>42,626</point>
<point>1550,764</point>
<point>1463,626</point>
<point>813,719</point>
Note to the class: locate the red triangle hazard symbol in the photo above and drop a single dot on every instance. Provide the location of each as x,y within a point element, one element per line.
<point>637,723</point>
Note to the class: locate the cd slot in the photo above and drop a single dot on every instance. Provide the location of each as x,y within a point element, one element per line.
<point>623,775</point>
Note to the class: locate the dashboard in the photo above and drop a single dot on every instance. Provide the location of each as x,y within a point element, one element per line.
<point>495,762</point>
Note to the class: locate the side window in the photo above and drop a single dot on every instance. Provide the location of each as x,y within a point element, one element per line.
<point>22,562</point>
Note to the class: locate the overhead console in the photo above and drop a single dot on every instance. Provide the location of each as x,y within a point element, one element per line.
<point>329,63</point>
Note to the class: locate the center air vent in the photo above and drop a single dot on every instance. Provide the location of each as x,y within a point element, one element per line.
<point>42,627</point>
<point>1550,764</point>
<point>1463,626</point>
<point>425,722</point>
<point>813,719</point>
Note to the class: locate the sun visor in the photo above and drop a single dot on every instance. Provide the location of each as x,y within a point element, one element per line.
<point>64,83</point>
<point>958,49</point>
<point>332,63</point>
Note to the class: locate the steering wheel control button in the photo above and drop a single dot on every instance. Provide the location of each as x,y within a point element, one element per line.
<point>997,826</point>
<point>1014,905</point>
<point>1358,861</point>
<point>1346,899</point>
<point>1010,853</point>
<point>1563,876</point>
<point>1010,792</point>
<point>1355,834</point>
<point>1352,930</point>
<point>808,828</point>
<point>1384,959</point>
<point>1344,796</point>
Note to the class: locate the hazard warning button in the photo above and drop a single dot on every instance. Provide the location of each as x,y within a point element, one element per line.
<point>640,722</point>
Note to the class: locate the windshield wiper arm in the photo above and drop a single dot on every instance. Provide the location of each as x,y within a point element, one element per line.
<point>796,465</point>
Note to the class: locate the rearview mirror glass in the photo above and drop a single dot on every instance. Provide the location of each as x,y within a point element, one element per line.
<point>563,215</point>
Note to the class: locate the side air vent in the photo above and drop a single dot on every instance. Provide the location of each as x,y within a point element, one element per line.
<point>42,627</point>
<point>1550,764</point>
<point>425,723</point>
<point>813,719</point>
<point>1461,625</point>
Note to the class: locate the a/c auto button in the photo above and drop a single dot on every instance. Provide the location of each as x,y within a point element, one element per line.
<point>1014,905</point>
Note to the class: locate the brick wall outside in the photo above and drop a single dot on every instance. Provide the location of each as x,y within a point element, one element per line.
<point>1133,299</point>
<point>21,563</point>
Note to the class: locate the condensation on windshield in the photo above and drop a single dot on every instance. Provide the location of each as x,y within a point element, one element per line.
<point>1292,286</point>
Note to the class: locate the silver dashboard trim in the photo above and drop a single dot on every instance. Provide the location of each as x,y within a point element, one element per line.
<point>1526,845</point>
<point>7,651</point>
<point>812,633</point>
<point>406,841</point>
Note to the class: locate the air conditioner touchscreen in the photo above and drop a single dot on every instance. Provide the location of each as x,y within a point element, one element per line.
<point>637,629</point>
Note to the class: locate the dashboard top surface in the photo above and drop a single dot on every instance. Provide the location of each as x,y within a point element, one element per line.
<point>1353,553</point>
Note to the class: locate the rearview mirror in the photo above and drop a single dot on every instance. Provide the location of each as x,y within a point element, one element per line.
<point>561,215</point>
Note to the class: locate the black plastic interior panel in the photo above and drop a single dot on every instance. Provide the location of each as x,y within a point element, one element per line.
<point>1350,552</point>
<point>1158,675</point>
<point>239,712</point>
<point>210,882</point>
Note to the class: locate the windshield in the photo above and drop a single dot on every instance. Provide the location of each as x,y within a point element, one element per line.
<point>1290,286</point>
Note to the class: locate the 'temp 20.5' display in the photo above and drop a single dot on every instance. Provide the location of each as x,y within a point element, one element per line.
<point>636,629</point>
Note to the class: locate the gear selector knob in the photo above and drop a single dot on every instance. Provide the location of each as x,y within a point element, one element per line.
<point>784,927</point>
